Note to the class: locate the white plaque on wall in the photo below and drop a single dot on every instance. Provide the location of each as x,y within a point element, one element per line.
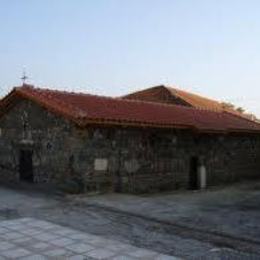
<point>100,164</point>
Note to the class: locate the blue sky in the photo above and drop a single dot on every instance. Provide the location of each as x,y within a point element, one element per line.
<point>112,47</point>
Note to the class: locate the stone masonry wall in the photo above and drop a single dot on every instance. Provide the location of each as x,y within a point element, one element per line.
<point>154,160</point>
<point>29,127</point>
<point>121,159</point>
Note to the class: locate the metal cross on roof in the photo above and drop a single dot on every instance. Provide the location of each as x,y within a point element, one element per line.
<point>24,77</point>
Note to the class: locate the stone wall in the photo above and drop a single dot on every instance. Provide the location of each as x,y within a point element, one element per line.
<point>29,127</point>
<point>121,159</point>
<point>154,160</point>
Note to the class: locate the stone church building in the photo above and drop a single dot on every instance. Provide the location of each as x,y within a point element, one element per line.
<point>148,141</point>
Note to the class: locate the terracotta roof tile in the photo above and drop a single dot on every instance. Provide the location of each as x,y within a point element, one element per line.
<point>86,109</point>
<point>173,95</point>
<point>170,95</point>
<point>196,101</point>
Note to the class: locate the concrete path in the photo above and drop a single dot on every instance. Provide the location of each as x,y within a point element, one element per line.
<point>29,238</point>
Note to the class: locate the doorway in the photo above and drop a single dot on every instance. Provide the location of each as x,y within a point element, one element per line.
<point>25,166</point>
<point>193,178</point>
<point>118,182</point>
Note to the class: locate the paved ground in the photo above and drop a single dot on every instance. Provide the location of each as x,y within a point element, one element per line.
<point>28,238</point>
<point>233,210</point>
<point>187,225</point>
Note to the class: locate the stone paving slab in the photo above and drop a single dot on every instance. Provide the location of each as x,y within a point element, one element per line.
<point>33,239</point>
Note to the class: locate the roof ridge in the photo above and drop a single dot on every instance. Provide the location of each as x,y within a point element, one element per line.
<point>71,92</point>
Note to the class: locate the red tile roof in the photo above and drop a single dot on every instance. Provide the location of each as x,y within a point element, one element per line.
<point>201,102</point>
<point>195,100</point>
<point>86,109</point>
<point>165,94</point>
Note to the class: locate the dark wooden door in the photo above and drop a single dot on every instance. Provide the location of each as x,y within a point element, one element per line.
<point>25,166</point>
<point>193,180</point>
